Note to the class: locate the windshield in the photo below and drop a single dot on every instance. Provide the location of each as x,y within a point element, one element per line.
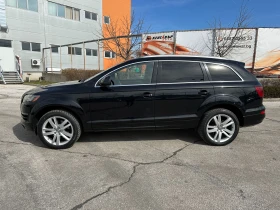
<point>94,76</point>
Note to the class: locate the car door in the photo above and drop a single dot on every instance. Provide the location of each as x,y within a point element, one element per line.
<point>128,103</point>
<point>182,87</point>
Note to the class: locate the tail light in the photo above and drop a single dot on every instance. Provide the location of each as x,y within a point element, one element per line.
<point>259,90</point>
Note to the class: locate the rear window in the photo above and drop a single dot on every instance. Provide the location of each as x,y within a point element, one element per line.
<point>180,71</point>
<point>222,73</point>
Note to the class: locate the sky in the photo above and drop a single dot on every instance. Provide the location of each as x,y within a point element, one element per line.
<point>169,15</point>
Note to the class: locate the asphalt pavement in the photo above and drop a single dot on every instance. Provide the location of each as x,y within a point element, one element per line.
<point>138,170</point>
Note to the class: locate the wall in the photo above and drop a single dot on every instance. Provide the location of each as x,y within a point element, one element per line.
<point>116,10</point>
<point>39,27</point>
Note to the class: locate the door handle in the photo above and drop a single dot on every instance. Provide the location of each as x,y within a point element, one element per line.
<point>203,92</point>
<point>147,95</point>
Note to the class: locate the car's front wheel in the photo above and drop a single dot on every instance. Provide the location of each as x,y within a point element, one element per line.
<point>219,127</point>
<point>58,129</point>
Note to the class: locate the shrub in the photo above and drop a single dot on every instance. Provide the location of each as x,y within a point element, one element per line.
<point>271,88</point>
<point>78,74</point>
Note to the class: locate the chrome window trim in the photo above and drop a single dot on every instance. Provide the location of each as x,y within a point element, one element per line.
<point>175,83</point>
<point>124,67</point>
<point>221,64</point>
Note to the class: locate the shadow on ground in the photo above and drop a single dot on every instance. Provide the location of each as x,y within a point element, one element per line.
<point>169,135</point>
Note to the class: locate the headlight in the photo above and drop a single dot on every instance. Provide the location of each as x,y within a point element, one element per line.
<point>31,98</point>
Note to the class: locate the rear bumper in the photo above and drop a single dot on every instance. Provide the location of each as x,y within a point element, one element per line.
<point>255,117</point>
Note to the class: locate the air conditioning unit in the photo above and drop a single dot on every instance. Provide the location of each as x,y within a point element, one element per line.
<point>35,62</point>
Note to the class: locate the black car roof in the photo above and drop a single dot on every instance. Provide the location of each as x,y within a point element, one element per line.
<point>181,57</point>
<point>186,57</point>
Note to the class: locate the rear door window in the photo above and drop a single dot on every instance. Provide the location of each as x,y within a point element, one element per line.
<point>180,71</point>
<point>222,73</point>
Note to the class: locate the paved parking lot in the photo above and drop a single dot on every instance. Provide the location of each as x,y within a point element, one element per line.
<point>138,170</point>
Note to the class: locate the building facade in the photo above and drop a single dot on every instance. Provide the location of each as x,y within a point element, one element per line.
<point>32,25</point>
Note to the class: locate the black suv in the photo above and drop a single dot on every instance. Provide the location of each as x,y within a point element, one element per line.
<point>214,95</point>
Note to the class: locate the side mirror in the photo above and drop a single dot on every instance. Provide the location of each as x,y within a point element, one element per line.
<point>105,82</point>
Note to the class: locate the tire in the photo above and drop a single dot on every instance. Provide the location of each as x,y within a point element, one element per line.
<point>215,133</point>
<point>58,129</point>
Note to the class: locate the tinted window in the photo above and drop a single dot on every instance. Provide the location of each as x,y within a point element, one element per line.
<point>36,47</point>
<point>22,4</point>
<point>94,16</point>
<point>87,15</point>
<point>25,45</point>
<point>107,54</point>
<point>222,73</point>
<point>78,51</point>
<point>179,71</point>
<point>55,48</point>
<point>60,10</point>
<point>33,5</point>
<point>94,52</point>
<point>88,51</point>
<point>140,73</point>
<point>5,43</point>
<point>106,19</point>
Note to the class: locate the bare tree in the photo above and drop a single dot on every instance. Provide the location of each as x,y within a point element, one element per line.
<point>130,29</point>
<point>226,39</point>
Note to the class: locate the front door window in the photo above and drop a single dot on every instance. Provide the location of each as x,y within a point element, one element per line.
<point>135,74</point>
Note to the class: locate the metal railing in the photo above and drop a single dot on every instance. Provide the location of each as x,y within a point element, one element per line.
<point>1,75</point>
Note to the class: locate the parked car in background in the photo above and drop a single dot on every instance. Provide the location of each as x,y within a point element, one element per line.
<point>216,96</point>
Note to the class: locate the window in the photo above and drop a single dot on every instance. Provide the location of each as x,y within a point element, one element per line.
<point>76,14</point>
<point>5,43</point>
<point>25,46</point>
<point>107,19</point>
<point>140,73</point>
<point>11,3</point>
<point>109,54</point>
<point>180,71</point>
<point>222,73</point>
<point>24,4</point>
<point>60,10</point>
<point>87,15</point>
<point>36,47</point>
<point>90,15</point>
<point>91,52</point>
<point>54,48</point>
<point>74,50</point>
<point>33,5</point>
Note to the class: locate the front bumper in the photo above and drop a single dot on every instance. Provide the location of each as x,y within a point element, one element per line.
<point>27,125</point>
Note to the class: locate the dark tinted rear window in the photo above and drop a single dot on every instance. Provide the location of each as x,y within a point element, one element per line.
<point>222,73</point>
<point>179,71</point>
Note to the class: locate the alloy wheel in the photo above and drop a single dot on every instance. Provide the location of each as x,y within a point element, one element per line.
<point>220,128</point>
<point>57,130</point>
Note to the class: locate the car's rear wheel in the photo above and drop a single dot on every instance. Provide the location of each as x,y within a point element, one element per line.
<point>219,127</point>
<point>58,129</point>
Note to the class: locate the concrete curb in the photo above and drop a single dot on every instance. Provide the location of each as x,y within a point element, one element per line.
<point>271,100</point>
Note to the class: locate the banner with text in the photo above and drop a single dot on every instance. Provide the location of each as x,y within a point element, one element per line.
<point>158,44</point>
<point>236,45</point>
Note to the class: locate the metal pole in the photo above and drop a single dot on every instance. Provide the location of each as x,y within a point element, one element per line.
<point>175,42</point>
<point>71,50</point>
<point>51,59</point>
<point>255,50</point>
<point>213,42</point>
<point>44,60</point>
<point>84,56</point>
<point>60,57</point>
<point>98,55</point>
